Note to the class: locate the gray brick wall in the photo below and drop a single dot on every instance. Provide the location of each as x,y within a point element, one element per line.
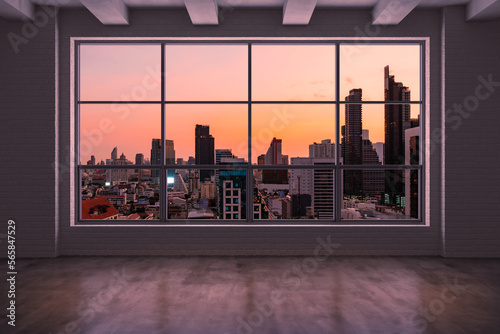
<point>472,156</point>
<point>248,240</point>
<point>27,130</point>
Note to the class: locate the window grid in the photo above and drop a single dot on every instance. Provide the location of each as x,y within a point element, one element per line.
<point>250,167</point>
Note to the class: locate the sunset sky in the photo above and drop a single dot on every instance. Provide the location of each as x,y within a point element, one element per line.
<point>220,73</point>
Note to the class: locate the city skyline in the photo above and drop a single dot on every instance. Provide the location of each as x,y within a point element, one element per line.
<point>225,77</point>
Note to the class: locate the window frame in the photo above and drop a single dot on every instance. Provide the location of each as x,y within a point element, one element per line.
<point>422,168</point>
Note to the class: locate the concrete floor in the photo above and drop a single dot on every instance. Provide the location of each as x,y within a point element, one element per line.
<point>256,295</point>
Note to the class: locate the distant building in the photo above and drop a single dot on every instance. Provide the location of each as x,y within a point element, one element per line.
<point>352,144</point>
<point>275,157</point>
<point>155,157</point>
<point>379,147</point>
<point>169,152</point>
<point>222,153</point>
<point>114,154</point>
<point>207,189</point>
<point>204,149</point>
<point>412,156</point>
<point>373,179</point>
<point>232,194</point>
<point>325,149</point>
<point>156,149</point>
<point>139,159</point>
<point>91,161</point>
<point>312,187</point>
<point>118,175</point>
<point>396,121</point>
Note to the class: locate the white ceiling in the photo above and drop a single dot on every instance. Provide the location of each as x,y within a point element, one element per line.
<point>294,11</point>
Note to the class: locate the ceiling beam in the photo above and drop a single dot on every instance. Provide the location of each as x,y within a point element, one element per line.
<point>24,7</point>
<point>298,12</point>
<point>391,12</point>
<point>482,9</point>
<point>203,12</point>
<point>112,12</point>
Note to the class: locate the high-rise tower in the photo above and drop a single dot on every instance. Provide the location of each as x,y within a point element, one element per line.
<point>396,121</point>
<point>352,148</point>
<point>204,149</point>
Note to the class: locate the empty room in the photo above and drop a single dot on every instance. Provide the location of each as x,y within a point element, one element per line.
<point>250,166</point>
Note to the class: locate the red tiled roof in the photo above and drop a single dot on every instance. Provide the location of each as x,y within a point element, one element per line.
<point>138,215</point>
<point>92,205</point>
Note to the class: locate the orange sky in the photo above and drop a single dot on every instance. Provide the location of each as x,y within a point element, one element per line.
<point>208,72</point>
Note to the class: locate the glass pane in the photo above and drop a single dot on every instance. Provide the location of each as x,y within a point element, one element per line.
<point>120,72</point>
<point>203,134</point>
<point>293,72</point>
<point>376,134</point>
<point>109,194</point>
<point>294,193</point>
<point>207,194</point>
<point>206,72</point>
<point>375,194</point>
<point>283,131</point>
<point>118,134</point>
<point>383,72</point>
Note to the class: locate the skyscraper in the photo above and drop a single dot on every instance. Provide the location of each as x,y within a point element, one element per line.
<point>156,156</point>
<point>156,152</point>
<point>232,194</point>
<point>169,152</point>
<point>274,157</point>
<point>373,179</point>
<point>352,144</point>
<point>396,121</point>
<point>139,159</point>
<point>204,149</point>
<point>114,154</point>
<point>353,129</point>
<point>412,157</point>
<point>312,187</point>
